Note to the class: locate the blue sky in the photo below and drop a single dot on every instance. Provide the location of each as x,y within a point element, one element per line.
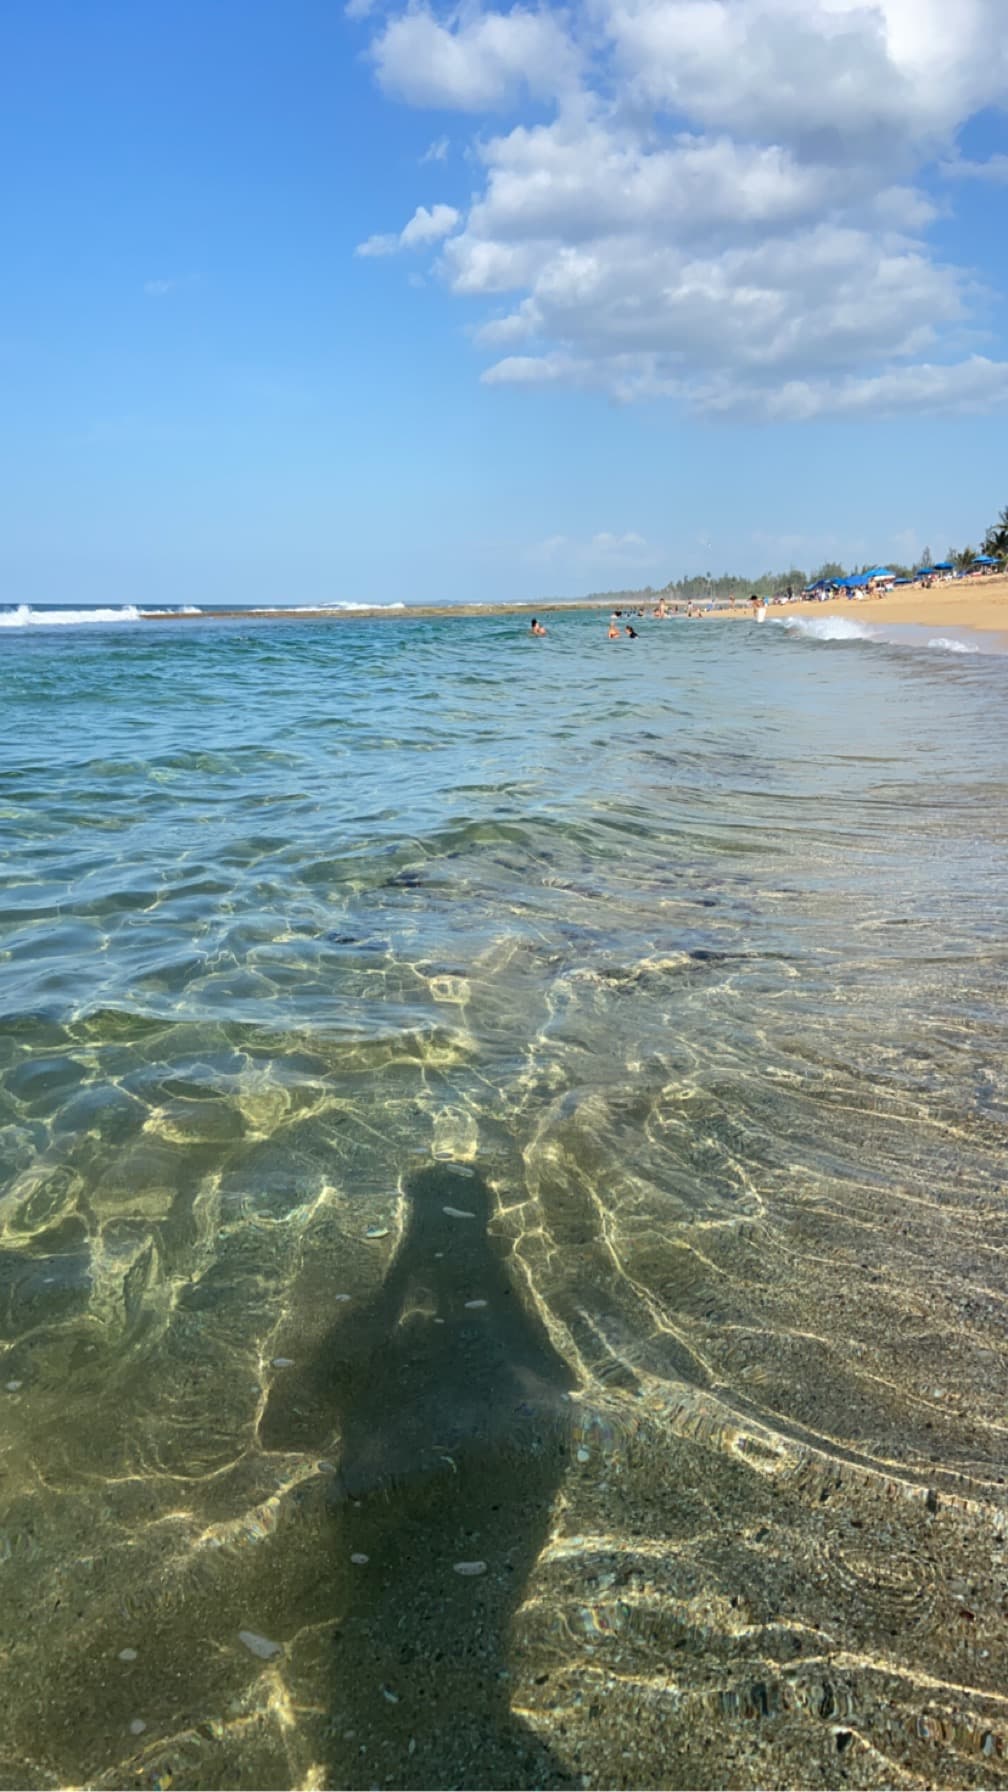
<point>304,304</point>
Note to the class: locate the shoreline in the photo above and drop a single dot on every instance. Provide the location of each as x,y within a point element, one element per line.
<point>980,607</point>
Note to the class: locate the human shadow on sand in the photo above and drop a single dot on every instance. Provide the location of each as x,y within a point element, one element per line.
<point>452,1409</point>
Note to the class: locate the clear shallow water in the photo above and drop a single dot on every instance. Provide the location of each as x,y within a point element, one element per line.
<point>651,994</point>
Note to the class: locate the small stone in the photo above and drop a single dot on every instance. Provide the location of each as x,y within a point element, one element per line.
<point>458,1213</point>
<point>376,1232</point>
<point>127,1655</point>
<point>12,1386</point>
<point>473,1304</point>
<point>283,1362</point>
<point>137,1727</point>
<point>392,1697</point>
<point>259,1645</point>
<point>470,1568</point>
<point>342,1297</point>
<point>326,1468</point>
<point>360,1559</point>
<point>584,1455</point>
<point>461,1170</point>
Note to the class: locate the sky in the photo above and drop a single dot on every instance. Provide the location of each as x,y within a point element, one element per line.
<point>308,303</point>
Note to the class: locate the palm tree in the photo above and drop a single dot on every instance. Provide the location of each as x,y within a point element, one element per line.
<point>963,559</point>
<point>995,541</point>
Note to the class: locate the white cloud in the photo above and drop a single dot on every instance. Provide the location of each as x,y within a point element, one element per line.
<point>477,64</point>
<point>436,151</point>
<point>605,548</point>
<point>424,227</point>
<point>722,205</point>
<point>943,390</point>
<point>995,169</point>
<point>428,226</point>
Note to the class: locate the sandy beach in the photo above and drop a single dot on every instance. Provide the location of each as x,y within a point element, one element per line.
<point>980,604</point>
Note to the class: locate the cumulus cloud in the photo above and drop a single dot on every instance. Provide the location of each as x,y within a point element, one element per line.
<point>425,226</point>
<point>477,62</point>
<point>719,201</point>
<point>995,169</point>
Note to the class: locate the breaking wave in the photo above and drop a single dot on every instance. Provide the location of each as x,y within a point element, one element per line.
<point>947,645</point>
<point>826,628</point>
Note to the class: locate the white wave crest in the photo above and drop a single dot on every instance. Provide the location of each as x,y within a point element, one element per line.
<point>826,628</point>
<point>25,617</point>
<point>947,645</point>
<point>315,609</point>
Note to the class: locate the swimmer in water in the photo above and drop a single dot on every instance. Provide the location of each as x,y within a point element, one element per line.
<point>632,632</point>
<point>614,630</point>
<point>536,627</point>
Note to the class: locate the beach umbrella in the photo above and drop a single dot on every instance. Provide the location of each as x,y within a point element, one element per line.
<point>942,566</point>
<point>985,560</point>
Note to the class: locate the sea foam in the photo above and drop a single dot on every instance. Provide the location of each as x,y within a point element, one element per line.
<point>826,628</point>
<point>947,645</point>
<point>25,617</point>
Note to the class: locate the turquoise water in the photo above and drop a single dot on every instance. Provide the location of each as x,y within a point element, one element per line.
<point>528,1116</point>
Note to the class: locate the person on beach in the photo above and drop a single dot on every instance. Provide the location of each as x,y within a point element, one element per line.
<point>613,629</point>
<point>536,627</point>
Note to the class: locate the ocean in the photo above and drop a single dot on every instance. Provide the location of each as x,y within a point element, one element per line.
<point>503,1202</point>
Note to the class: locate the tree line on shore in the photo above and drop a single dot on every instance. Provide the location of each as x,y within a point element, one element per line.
<point>702,587</point>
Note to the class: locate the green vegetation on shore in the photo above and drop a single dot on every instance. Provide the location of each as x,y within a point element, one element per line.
<point>698,587</point>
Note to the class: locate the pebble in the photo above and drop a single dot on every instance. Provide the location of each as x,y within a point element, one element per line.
<point>470,1568</point>
<point>259,1645</point>
<point>283,1362</point>
<point>392,1697</point>
<point>376,1232</point>
<point>584,1455</point>
<point>342,1297</point>
<point>458,1213</point>
<point>127,1655</point>
<point>137,1727</point>
<point>360,1559</point>
<point>12,1386</point>
<point>461,1170</point>
<point>471,1304</point>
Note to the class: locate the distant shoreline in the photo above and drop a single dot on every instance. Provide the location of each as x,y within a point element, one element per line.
<point>980,605</point>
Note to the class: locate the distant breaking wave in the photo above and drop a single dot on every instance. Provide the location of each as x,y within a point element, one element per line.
<point>315,609</point>
<point>25,617</point>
